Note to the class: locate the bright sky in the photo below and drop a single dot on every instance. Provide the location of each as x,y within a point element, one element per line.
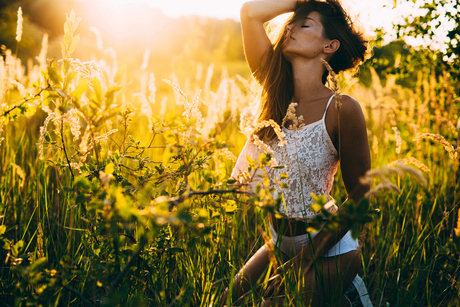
<point>371,14</point>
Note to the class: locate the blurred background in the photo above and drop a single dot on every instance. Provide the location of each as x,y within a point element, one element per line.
<point>182,36</point>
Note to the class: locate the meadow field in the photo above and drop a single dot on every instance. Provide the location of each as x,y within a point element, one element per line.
<point>115,188</point>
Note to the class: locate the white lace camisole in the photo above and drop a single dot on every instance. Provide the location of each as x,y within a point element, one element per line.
<point>310,161</point>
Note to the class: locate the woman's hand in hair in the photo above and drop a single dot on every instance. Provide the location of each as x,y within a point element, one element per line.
<point>253,16</point>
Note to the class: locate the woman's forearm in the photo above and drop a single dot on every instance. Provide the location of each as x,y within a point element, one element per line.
<point>265,10</point>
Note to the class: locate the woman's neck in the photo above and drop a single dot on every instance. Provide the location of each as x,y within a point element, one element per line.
<point>307,77</point>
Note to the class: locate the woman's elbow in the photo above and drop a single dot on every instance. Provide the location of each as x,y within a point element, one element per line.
<point>246,11</point>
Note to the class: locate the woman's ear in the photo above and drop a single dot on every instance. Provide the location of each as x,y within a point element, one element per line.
<point>332,46</point>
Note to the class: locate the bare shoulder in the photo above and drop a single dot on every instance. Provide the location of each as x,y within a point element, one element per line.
<point>351,110</point>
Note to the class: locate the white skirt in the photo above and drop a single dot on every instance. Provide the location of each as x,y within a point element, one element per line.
<point>291,246</point>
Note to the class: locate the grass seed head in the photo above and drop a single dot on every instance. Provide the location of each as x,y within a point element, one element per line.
<point>291,116</point>
<point>440,140</point>
<point>398,139</point>
<point>19,27</point>
<point>276,128</point>
<point>335,84</point>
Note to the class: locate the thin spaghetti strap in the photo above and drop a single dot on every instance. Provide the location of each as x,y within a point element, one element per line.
<point>327,106</point>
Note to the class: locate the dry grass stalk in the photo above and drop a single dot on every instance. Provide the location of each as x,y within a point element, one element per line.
<point>335,84</point>
<point>412,160</point>
<point>191,109</point>
<point>275,126</point>
<point>103,138</point>
<point>384,185</point>
<point>375,145</point>
<point>444,120</point>
<point>412,171</point>
<point>20,172</point>
<point>398,139</point>
<point>247,120</point>
<point>152,88</point>
<point>40,252</point>
<point>226,154</point>
<point>42,56</point>
<point>387,170</point>
<point>264,148</point>
<point>1,130</point>
<point>291,116</point>
<point>19,27</point>
<point>457,229</point>
<point>270,247</point>
<point>440,140</point>
<point>85,69</point>
<point>41,139</point>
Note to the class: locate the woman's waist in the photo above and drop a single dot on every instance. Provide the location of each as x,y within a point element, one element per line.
<point>291,227</point>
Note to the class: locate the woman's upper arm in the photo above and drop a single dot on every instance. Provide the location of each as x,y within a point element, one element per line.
<point>253,16</point>
<point>255,38</point>
<point>354,148</point>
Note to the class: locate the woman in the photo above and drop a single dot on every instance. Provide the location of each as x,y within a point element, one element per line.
<point>291,70</point>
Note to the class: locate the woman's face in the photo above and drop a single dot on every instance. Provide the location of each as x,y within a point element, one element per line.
<point>305,39</point>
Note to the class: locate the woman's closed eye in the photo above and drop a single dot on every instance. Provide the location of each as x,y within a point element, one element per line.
<point>304,26</point>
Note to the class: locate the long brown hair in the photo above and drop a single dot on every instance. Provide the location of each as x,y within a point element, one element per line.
<point>275,72</point>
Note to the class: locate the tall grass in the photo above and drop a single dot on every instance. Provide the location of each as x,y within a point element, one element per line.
<point>148,218</point>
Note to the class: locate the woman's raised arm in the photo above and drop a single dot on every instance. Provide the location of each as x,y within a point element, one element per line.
<point>253,16</point>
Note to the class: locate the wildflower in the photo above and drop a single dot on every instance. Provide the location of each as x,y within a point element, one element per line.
<point>19,27</point>
<point>398,139</point>
<point>440,140</point>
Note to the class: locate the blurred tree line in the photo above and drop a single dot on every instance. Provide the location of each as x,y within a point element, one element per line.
<point>176,45</point>
<point>405,61</point>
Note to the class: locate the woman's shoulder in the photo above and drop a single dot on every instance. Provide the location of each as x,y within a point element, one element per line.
<point>350,109</point>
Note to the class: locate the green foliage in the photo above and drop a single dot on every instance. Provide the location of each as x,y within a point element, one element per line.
<point>435,13</point>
